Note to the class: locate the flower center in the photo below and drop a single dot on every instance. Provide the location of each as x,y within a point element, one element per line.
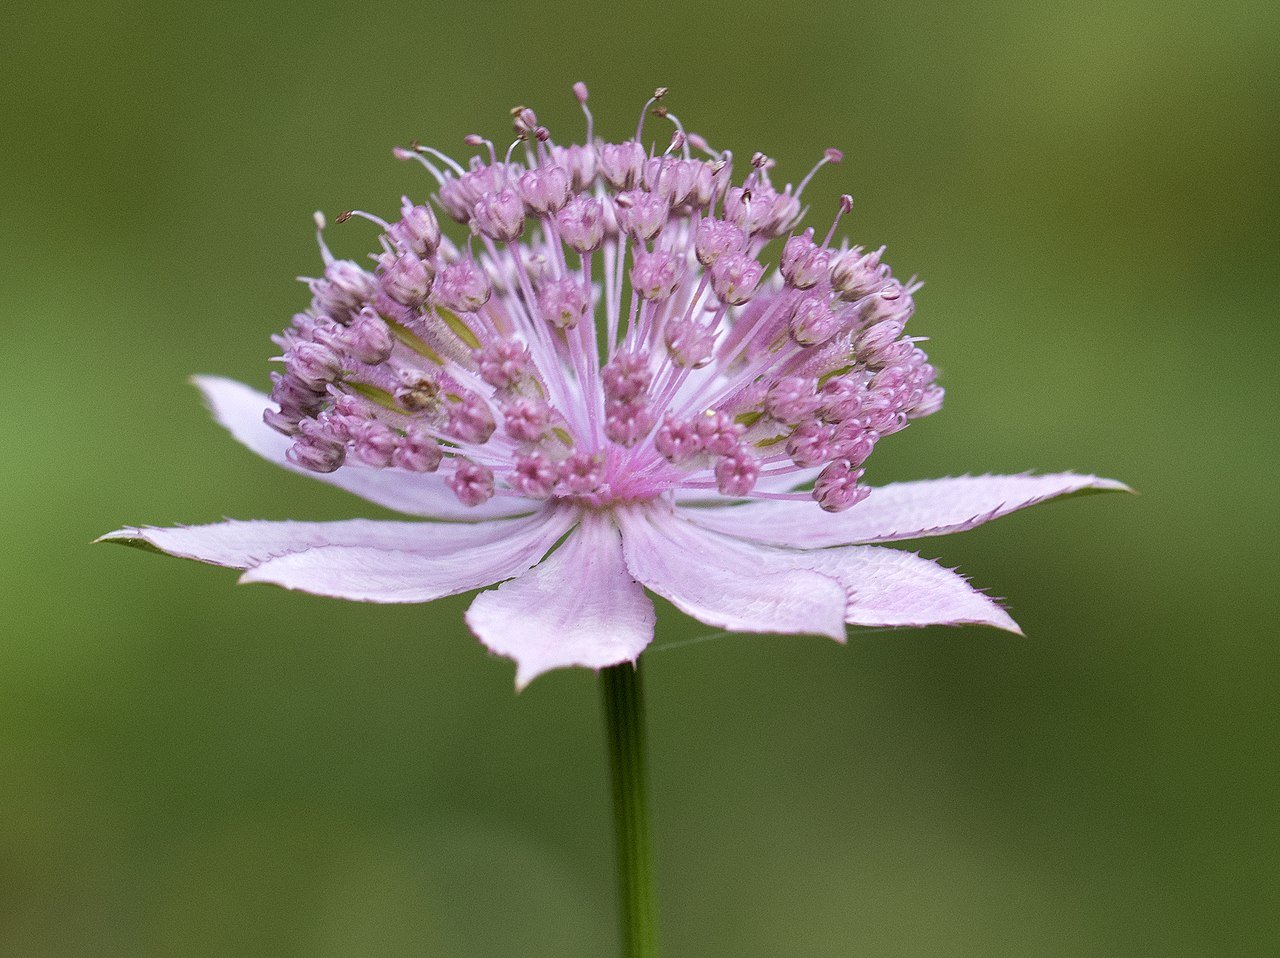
<point>606,333</point>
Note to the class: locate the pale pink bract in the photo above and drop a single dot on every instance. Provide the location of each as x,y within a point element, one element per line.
<point>604,390</point>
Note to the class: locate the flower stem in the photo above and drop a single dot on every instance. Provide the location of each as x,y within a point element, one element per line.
<point>624,730</point>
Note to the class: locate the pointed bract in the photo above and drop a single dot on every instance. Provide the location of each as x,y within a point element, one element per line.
<point>367,574</point>
<point>723,583</point>
<point>578,607</point>
<point>903,510</point>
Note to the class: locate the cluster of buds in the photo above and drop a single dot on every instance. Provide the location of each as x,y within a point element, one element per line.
<point>608,331</point>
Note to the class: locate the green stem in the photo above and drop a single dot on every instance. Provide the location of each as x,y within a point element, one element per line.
<point>624,730</point>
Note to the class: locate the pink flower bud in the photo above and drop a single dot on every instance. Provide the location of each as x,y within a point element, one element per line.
<point>405,278</point>
<point>677,441</point>
<point>716,238</point>
<point>736,473</point>
<point>812,322</point>
<point>734,277</point>
<point>417,451</point>
<point>502,363</point>
<point>690,344</point>
<point>368,339</point>
<point>563,302</point>
<point>641,215</point>
<point>417,231</point>
<point>471,483</point>
<point>545,190</point>
<point>500,215</point>
<point>804,263</point>
<point>581,224</point>
<point>463,287</point>
<point>534,476</point>
<point>655,275</point>
<point>837,489</point>
<point>526,419</point>
<point>626,377</point>
<point>620,164</point>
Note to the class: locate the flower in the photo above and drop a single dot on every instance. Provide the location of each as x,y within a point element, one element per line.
<point>602,391</point>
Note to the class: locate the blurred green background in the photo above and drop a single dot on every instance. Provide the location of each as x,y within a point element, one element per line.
<point>191,768</point>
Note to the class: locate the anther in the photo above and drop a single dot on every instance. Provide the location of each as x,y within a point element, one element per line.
<point>830,155</point>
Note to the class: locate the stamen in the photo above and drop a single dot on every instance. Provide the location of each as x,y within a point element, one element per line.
<point>318,218</point>
<point>658,94</point>
<point>400,153</point>
<point>475,139</point>
<point>846,205</point>
<point>830,155</point>
<point>442,157</point>
<point>375,220</point>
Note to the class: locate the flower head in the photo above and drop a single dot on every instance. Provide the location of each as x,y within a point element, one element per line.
<point>603,387</point>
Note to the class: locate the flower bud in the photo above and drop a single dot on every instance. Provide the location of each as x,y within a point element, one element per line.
<point>463,287</point>
<point>368,339</point>
<point>344,289</point>
<point>641,215</point>
<point>804,264</point>
<point>718,432</point>
<point>373,443</point>
<point>313,365</point>
<point>855,274</point>
<point>655,275</point>
<point>812,322</point>
<point>564,302</point>
<point>626,377</point>
<point>545,190</point>
<point>417,231</point>
<point>621,163</point>
<point>582,472</point>
<point>734,277</point>
<point>677,441</point>
<point>716,238</point>
<point>737,472</point>
<point>837,489</point>
<point>499,215</point>
<point>503,363</point>
<point>472,483</point>
<point>690,344</point>
<point>471,420</point>
<point>417,451</point>
<point>405,278</point>
<point>626,423</point>
<point>791,399</point>
<point>581,224</point>
<point>525,419</point>
<point>534,476</point>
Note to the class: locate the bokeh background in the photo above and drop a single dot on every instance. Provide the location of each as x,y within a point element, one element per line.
<point>191,768</point>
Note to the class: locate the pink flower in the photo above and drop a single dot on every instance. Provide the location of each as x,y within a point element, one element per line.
<point>661,446</point>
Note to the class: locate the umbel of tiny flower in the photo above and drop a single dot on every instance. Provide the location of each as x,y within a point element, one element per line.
<point>604,390</point>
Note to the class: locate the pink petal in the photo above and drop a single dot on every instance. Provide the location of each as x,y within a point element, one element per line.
<point>887,587</point>
<point>241,545</point>
<point>580,606</point>
<point>880,587</point>
<point>373,574</point>
<point>904,510</point>
<point>726,582</point>
<point>239,409</point>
